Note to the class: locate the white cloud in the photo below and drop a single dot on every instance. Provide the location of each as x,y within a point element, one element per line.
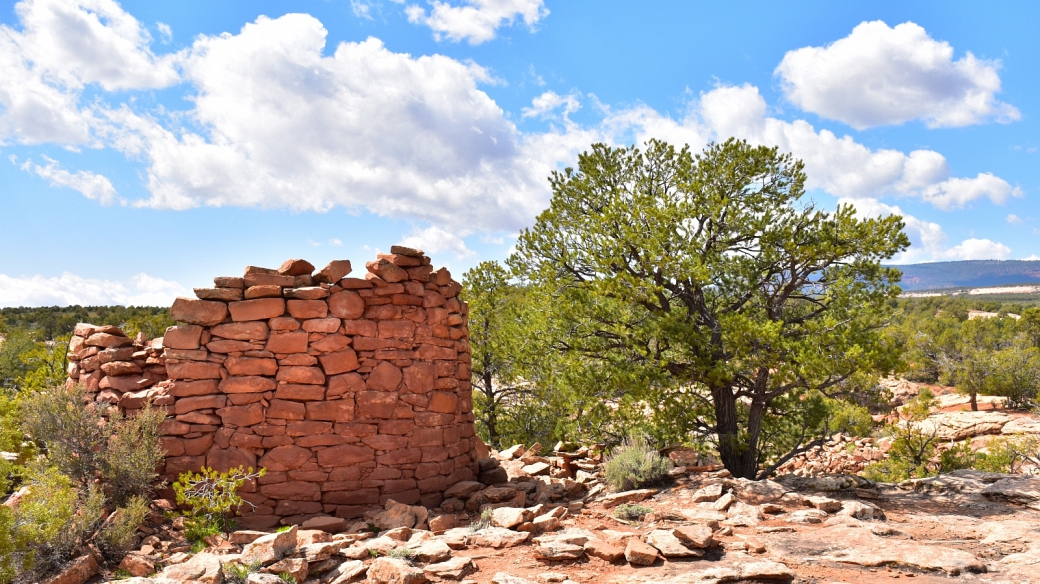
<point>96,187</point>
<point>547,103</point>
<point>336,242</point>
<point>1013,219</point>
<point>364,127</point>
<point>165,31</point>
<point>361,8</point>
<point>880,75</point>
<point>928,241</point>
<point>63,46</point>
<point>1031,258</point>
<point>839,166</point>
<point>435,240</point>
<point>477,20</point>
<point>69,289</point>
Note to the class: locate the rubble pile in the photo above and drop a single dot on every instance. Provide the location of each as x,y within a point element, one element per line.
<point>841,454</point>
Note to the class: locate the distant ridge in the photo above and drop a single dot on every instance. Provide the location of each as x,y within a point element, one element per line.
<point>973,273</point>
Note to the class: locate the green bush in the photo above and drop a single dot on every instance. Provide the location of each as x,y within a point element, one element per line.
<point>119,533</point>
<point>626,511</point>
<point>213,499</point>
<point>132,453</point>
<point>913,449</point>
<point>237,573</point>
<point>635,464</point>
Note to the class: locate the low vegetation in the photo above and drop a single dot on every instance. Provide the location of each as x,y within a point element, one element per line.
<point>635,464</point>
<point>212,500</point>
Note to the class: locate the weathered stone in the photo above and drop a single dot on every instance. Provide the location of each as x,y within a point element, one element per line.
<point>270,548</point>
<point>603,550</point>
<point>386,270</point>
<point>385,377</point>
<point>432,551</point>
<point>78,571</point>
<point>559,551</point>
<point>295,567</point>
<point>639,553</point>
<point>250,366</point>
<point>824,503</point>
<point>326,524</point>
<point>259,309</point>
<point>222,294</point>
<point>670,546</point>
<point>335,271</point>
<point>498,538</point>
<point>201,312</point>
<point>504,578</point>
<point>247,384</point>
<point>708,494</point>
<point>463,489</point>
<point>755,492</point>
<point>339,362</point>
<point>394,571</point>
<point>697,536</point>
<point>203,567</point>
<point>108,340</point>
<point>453,569</point>
<point>806,516</point>
<point>628,497</point>
<point>294,342</point>
<point>182,337</point>
<point>509,517</point>
<point>296,267</point>
<point>855,545</point>
<point>346,572</point>
<point>346,305</point>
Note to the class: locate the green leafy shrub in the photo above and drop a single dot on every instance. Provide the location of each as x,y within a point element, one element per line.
<point>119,533</point>
<point>238,573</point>
<point>213,499</point>
<point>287,578</point>
<point>913,448</point>
<point>635,464</point>
<point>482,522</point>
<point>122,451</point>
<point>626,511</point>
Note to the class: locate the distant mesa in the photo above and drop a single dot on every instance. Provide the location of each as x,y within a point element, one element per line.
<point>969,274</point>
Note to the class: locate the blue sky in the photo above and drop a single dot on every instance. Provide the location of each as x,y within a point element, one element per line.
<point>147,147</point>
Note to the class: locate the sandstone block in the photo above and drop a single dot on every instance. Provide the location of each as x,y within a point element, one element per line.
<point>201,312</point>
<point>286,410</point>
<point>321,325</point>
<point>275,279</point>
<point>269,549</point>
<point>307,292</point>
<point>339,362</point>
<point>304,375</point>
<point>229,282</point>
<point>304,309</point>
<point>346,305</point>
<point>386,270</point>
<point>259,309</point>
<point>296,267</point>
<point>193,370</point>
<point>251,366</point>
<point>639,553</point>
<point>349,383</point>
<point>183,337</point>
<point>345,455</point>
<point>393,571</point>
<point>376,404</point>
<point>190,388</point>
<point>222,294</point>
<point>603,550</point>
<point>341,410</point>
<point>247,384</point>
<point>335,271</point>
<point>331,344</point>
<point>254,292</point>
<point>444,402</point>
<point>242,415</point>
<point>385,377</point>
<point>299,392</point>
<point>107,340</point>
<point>241,331</point>
<point>295,342</point>
<point>285,458</point>
<point>224,459</point>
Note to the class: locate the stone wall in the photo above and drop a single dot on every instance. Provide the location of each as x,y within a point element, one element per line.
<point>349,391</point>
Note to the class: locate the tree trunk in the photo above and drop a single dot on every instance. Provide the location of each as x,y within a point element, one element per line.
<point>734,454</point>
<point>491,413</point>
<point>974,402</point>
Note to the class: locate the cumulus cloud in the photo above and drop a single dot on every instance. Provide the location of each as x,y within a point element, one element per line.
<point>546,104</point>
<point>434,240</point>
<point>286,126</point>
<point>1013,219</point>
<point>838,165</point>
<point>928,241</point>
<point>69,289</point>
<point>476,21</point>
<point>62,47</point>
<point>93,186</point>
<point>879,75</point>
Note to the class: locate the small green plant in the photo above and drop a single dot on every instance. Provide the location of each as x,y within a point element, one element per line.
<point>631,512</point>
<point>373,553</point>
<point>238,573</point>
<point>483,521</point>
<point>402,553</point>
<point>121,574</point>
<point>913,449</point>
<point>373,528</point>
<point>119,533</point>
<point>635,464</point>
<point>287,578</point>
<point>197,546</point>
<point>283,529</point>
<point>213,499</point>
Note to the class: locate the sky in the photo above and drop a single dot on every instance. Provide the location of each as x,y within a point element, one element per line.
<point>146,147</point>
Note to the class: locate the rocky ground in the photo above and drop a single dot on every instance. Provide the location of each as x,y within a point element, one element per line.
<point>549,518</point>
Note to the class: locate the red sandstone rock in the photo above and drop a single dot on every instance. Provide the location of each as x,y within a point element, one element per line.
<point>286,410</point>
<point>225,459</point>
<point>201,402</point>
<point>295,342</point>
<point>222,294</point>
<point>107,340</point>
<point>306,375</point>
<point>292,391</point>
<point>241,331</point>
<point>443,402</point>
<point>296,268</point>
<point>190,388</point>
<point>331,344</point>
<point>420,377</point>
<point>261,291</point>
<point>385,377</point>
<point>344,455</point>
<point>346,304</point>
<point>376,404</point>
<point>321,325</point>
<point>259,309</point>
<point>333,272</point>
<point>242,415</point>
<point>193,370</point>
<point>350,383</point>
<point>285,458</point>
<point>202,312</point>
<point>274,279</point>
<point>341,410</point>
<point>406,251</point>
<point>251,366</point>
<point>339,362</point>
<point>386,270</point>
<point>306,292</point>
<point>303,309</point>
<point>183,337</point>
<point>247,384</point>
<point>222,346</point>
<point>229,282</point>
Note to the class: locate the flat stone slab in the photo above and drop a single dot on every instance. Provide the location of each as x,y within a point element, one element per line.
<point>853,544</point>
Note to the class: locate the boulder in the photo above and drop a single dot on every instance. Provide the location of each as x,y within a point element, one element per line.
<point>603,550</point>
<point>394,571</point>
<point>628,497</point>
<point>639,553</point>
<point>453,569</point>
<point>696,536</point>
<point>559,551</point>
<point>77,571</point>
<point>498,538</point>
<point>669,545</point>
<point>270,548</point>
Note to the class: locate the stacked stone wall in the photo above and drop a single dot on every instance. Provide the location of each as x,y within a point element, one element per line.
<point>349,391</point>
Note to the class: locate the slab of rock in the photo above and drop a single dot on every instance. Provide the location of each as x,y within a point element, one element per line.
<point>498,538</point>
<point>535,469</point>
<point>964,424</point>
<point>260,578</point>
<point>442,523</point>
<point>756,492</point>
<point>853,544</point>
<point>603,550</point>
<point>1023,425</point>
<point>504,578</point>
<point>697,536</point>
<point>78,571</point>
<point>860,510</point>
<point>453,569</point>
<point>345,572</point>
<point>639,553</point>
<point>456,538</point>
<point>270,548</point>
<point>432,551</point>
<point>1025,491</point>
<point>806,516</point>
<point>824,504</point>
<point>295,567</point>
<point>571,537</point>
<point>628,497</point>
<point>398,515</point>
<point>203,567</point>
<point>554,551</point>
<point>707,494</point>
<point>326,524</point>
<point>724,502</point>
<point>703,516</point>
<point>463,490</point>
<point>394,571</point>
<point>138,564</point>
<point>509,517</point>
<point>670,546</point>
